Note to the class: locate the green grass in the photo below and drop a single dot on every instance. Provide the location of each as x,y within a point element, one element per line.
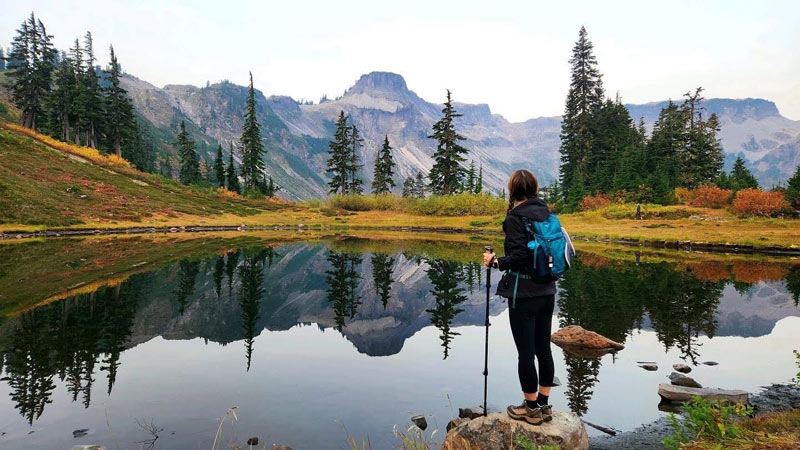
<point>435,205</point>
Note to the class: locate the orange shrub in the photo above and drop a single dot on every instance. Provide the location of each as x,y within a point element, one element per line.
<point>592,202</point>
<point>755,202</point>
<point>710,197</point>
<point>684,196</point>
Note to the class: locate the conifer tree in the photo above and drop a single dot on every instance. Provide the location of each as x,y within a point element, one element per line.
<point>250,142</point>
<point>384,170</point>
<point>469,186</point>
<point>585,95</point>
<point>419,186</point>
<point>479,182</point>
<point>338,159</point>
<point>447,175</point>
<point>166,168</point>
<point>408,187</point>
<point>91,97</point>
<point>232,176</point>
<point>190,164</point>
<point>2,60</point>
<point>31,63</point>
<point>741,177</point>
<point>61,101</point>
<point>120,122</point>
<point>353,166</point>
<point>219,167</point>
<point>793,189</point>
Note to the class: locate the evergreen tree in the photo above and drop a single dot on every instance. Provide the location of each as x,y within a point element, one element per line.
<point>121,131</point>
<point>382,276</point>
<point>338,159</point>
<point>219,167</point>
<point>408,187</point>
<point>662,161</point>
<point>250,142</point>
<point>2,60</point>
<point>232,177</point>
<point>584,97</point>
<point>91,98</point>
<point>419,186</point>
<point>166,169</point>
<point>78,110</point>
<point>384,170</point>
<point>445,277</point>
<point>187,151</point>
<point>793,189</point>
<point>447,175</point>
<point>741,177</point>
<point>478,188</point>
<point>31,63</point>
<point>355,183</point>
<point>700,154</point>
<point>62,100</point>
<point>469,185</point>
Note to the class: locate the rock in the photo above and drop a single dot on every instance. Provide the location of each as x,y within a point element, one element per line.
<point>556,382</point>
<point>456,422</point>
<point>420,422</point>
<point>682,368</point>
<point>253,441</point>
<point>473,412</point>
<point>87,447</point>
<point>649,367</point>
<point>281,447</point>
<point>80,433</point>
<point>711,363</point>
<point>669,392</point>
<point>497,431</point>
<point>575,339</point>
<point>678,379</point>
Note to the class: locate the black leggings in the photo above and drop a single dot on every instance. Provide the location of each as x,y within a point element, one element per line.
<point>531,321</point>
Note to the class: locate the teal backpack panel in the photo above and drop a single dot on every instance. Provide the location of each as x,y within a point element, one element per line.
<point>549,247</point>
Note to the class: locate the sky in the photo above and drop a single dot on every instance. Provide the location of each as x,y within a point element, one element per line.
<point>512,55</point>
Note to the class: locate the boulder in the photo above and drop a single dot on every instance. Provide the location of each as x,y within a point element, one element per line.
<point>678,379</point>
<point>87,447</point>
<point>473,412</point>
<point>498,431</point>
<point>672,393</point>
<point>711,363</point>
<point>580,342</point>
<point>682,368</point>
<point>649,367</point>
<point>456,422</point>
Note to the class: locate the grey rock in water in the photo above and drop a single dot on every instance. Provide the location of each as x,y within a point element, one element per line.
<point>672,393</point>
<point>281,447</point>
<point>80,433</point>
<point>649,367</point>
<point>682,368</point>
<point>711,363</point>
<point>87,447</point>
<point>473,412</point>
<point>678,379</point>
<point>497,430</point>
<point>253,441</point>
<point>420,422</point>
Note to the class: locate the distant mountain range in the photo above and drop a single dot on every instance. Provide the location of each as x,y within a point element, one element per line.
<point>381,104</point>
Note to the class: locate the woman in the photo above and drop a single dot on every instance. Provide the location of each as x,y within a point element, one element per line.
<point>531,308</point>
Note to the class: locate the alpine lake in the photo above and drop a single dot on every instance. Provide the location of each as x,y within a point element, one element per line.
<point>316,337</point>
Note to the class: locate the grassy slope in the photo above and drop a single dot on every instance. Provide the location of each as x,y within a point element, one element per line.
<point>42,187</point>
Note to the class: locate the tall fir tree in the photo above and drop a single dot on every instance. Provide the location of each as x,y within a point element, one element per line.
<point>355,184</point>
<point>61,101</point>
<point>187,151</point>
<point>232,177</point>
<point>479,181</point>
<point>219,167</point>
<point>338,157</point>
<point>121,130</point>
<point>584,97</point>
<point>469,185</point>
<point>91,98</point>
<point>419,185</point>
<point>741,177</point>
<point>166,168</point>
<point>2,60</point>
<point>250,143</point>
<point>793,189</point>
<point>447,175</point>
<point>408,187</point>
<point>31,63</point>
<point>383,181</point>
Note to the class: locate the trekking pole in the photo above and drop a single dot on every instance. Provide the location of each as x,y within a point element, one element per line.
<point>489,249</point>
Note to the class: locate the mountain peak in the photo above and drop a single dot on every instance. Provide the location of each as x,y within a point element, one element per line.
<point>381,82</point>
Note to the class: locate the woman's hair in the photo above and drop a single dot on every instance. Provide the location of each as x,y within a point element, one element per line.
<point>522,185</point>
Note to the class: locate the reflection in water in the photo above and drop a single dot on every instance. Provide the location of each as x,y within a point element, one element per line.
<point>67,339</point>
<point>382,276</point>
<point>74,340</point>
<point>445,277</point>
<point>342,282</point>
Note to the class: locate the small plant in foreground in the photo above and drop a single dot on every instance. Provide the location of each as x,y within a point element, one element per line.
<point>524,442</point>
<point>713,421</point>
<point>797,377</point>
<point>414,438</point>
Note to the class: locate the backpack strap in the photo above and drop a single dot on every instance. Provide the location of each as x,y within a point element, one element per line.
<point>516,284</point>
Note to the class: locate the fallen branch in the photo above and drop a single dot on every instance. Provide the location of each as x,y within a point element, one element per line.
<point>605,430</point>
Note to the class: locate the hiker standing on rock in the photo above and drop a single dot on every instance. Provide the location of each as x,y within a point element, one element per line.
<point>537,252</point>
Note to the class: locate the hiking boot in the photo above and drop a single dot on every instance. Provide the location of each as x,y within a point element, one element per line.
<point>547,412</point>
<point>522,412</point>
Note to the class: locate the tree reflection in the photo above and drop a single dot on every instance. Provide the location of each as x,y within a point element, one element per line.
<point>581,378</point>
<point>219,273</point>
<point>382,276</point>
<point>445,277</point>
<point>793,284</point>
<point>342,280</point>
<point>251,274</point>
<point>187,275</point>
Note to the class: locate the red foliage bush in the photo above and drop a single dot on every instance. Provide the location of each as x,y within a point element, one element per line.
<point>755,202</point>
<point>592,202</point>
<point>710,197</point>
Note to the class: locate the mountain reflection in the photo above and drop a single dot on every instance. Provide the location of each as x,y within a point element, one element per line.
<point>374,295</point>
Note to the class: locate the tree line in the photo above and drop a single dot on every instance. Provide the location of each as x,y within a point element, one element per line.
<point>447,176</point>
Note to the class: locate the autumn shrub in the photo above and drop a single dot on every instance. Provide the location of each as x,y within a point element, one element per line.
<point>684,196</point>
<point>593,202</point>
<point>710,197</point>
<point>755,202</point>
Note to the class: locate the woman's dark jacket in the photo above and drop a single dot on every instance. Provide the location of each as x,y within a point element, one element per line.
<point>517,256</point>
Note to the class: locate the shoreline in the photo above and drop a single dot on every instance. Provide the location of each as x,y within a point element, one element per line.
<point>683,245</point>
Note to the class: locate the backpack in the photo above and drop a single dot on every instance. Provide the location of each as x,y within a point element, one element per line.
<point>550,248</point>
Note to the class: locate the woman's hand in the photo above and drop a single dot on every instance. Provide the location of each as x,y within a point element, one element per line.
<point>488,258</point>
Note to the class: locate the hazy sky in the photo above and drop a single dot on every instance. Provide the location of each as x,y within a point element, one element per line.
<point>510,54</point>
